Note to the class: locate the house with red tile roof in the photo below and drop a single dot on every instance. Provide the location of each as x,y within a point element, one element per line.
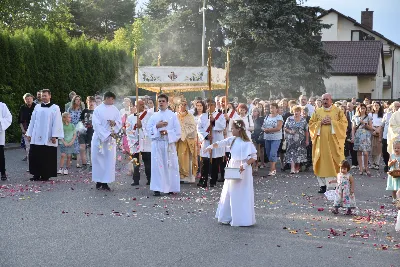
<point>366,63</point>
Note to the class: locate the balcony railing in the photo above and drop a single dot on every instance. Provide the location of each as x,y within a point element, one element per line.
<point>387,83</point>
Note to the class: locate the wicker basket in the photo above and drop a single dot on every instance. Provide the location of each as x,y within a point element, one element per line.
<point>395,173</point>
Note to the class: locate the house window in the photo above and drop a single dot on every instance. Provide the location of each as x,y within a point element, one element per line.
<point>360,36</point>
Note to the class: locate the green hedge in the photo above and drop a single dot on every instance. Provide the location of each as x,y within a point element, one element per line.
<point>33,59</point>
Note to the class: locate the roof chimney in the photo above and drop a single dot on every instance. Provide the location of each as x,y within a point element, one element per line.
<point>367,18</point>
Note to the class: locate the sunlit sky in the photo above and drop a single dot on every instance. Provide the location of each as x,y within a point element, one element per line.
<point>386,13</point>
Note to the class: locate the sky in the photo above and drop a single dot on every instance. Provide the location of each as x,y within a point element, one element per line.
<point>386,13</point>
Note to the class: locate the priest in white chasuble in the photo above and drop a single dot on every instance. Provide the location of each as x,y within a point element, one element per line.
<point>44,129</point>
<point>165,131</point>
<point>106,124</point>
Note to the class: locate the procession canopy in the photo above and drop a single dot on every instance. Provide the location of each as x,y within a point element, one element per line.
<point>183,79</point>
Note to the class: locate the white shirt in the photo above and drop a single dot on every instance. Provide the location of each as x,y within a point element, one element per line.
<point>376,122</point>
<point>45,124</point>
<point>5,122</point>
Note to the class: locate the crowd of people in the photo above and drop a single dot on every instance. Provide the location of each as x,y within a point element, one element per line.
<point>212,140</point>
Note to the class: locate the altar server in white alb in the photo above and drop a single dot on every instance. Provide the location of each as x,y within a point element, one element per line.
<point>214,123</point>
<point>139,141</point>
<point>5,122</point>
<point>165,131</point>
<point>44,129</point>
<point>106,122</point>
<point>236,205</point>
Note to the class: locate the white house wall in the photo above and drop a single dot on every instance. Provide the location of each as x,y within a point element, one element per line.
<point>396,78</point>
<point>331,33</point>
<point>341,31</point>
<point>342,87</point>
<point>379,91</point>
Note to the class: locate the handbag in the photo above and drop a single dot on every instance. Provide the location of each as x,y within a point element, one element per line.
<point>232,173</point>
<point>395,173</point>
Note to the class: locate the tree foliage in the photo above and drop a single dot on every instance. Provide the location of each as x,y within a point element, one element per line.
<point>18,14</point>
<point>33,59</point>
<point>101,18</point>
<point>274,47</point>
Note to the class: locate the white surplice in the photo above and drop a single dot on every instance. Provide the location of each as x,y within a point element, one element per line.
<point>236,205</point>
<point>144,135</point>
<point>132,134</point>
<point>46,122</point>
<point>217,134</point>
<point>249,124</point>
<point>103,145</point>
<point>164,158</point>
<point>139,139</point>
<point>5,122</point>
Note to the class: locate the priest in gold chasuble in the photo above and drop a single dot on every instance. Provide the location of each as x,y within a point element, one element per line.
<point>187,145</point>
<point>327,128</point>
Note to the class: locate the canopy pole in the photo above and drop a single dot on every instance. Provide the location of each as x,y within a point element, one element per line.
<point>159,92</point>
<point>210,95</point>
<point>136,77</point>
<point>227,66</point>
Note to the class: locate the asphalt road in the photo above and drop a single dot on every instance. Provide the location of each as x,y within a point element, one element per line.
<point>66,222</point>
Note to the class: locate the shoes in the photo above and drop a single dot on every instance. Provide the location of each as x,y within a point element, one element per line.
<point>348,212</point>
<point>261,167</point>
<point>65,171</point>
<point>272,173</point>
<point>134,183</point>
<point>292,172</point>
<point>335,211</point>
<point>78,166</point>
<point>322,189</point>
<point>35,178</point>
<point>170,193</point>
<point>106,187</point>
<point>4,177</point>
<point>60,171</point>
<point>354,167</point>
<point>376,167</point>
<point>156,193</point>
<point>202,185</point>
<point>25,159</point>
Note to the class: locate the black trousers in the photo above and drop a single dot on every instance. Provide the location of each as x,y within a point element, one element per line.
<point>385,153</point>
<point>146,157</point>
<point>2,161</point>
<point>353,154</point>
<point>43,161</point>
<point>205,170</point>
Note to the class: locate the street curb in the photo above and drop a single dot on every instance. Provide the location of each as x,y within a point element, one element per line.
<point>12,146</point>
